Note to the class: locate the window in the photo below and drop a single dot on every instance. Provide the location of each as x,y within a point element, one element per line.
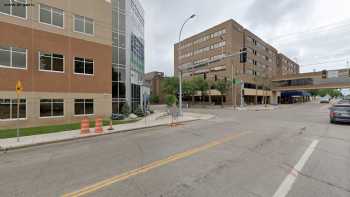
<point>8,109</point>
<point>13,57</point>
<point>51,108</point>
<point>51,62</point>
<point>14,8</point>
<point>218,33</point>
<point>218,45</point>
<point>83,107</point>
<point>83,66</point>
<point>83,24</point>
<point>50,15</point>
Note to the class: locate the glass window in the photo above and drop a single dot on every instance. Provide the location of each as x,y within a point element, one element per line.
<point>83,24</point>
<point>121,22</point>
<point>19,59</point>
<point>45,14</point>
<point>8,109</point>
<point>51,62</point>
<point>51,107</point>
<point>14,8</point>
<point>122,4</point>
<point>57,64</point>
<point>122,40</point>
<point>13,57</point>
<point>121,56</point>
<point>89,67</point>
<point>45,62</point>
<point>79,23</point>
<point>57,17</point>
<point>83,106</point>
<point>89,26</point>
<point>19,9</point>
<point>5,109</point>
<point>5,56</point>
<point>4,8</point>
<point>79,67</point>
<point>83,66</point>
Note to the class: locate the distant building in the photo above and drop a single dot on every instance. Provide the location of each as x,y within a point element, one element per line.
<point>227,38</point>
<point>286,66</point>
<point>153,79</point>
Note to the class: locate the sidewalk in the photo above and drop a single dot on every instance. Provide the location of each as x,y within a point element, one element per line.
<point>154,120</point>
<point>258,108</point>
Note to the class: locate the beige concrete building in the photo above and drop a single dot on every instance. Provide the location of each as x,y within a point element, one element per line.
<point>222,40</point>
<point>154,79</point>
<point>286,66</point>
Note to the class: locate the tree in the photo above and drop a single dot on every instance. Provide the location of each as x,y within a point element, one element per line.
<point>189,88</point>
<point>325,92</point>
<point>170,85</point>
<point>170,100</point>
<point>222,86</point>
<point>200,84</point>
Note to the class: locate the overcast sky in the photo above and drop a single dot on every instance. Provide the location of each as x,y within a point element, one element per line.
<point>308,31</point>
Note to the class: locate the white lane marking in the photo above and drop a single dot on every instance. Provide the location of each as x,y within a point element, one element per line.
<point>288,182</point>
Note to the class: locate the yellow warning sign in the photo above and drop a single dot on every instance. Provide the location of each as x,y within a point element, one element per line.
<point>19,87</point>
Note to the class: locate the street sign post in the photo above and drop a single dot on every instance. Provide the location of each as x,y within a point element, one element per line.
<point>19,89</point>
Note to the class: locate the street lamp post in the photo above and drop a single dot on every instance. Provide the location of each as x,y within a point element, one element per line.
<point>180,74</point>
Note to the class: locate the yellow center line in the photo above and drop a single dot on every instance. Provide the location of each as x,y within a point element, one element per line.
<point>153,165</point>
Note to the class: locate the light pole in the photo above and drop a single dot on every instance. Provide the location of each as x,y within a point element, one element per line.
<point>180,75</point>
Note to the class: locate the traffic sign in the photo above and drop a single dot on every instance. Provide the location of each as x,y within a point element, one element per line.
<point>19,87</point>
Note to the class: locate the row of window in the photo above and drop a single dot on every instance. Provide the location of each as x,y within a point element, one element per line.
<point>48,15</point>
<point>218,45</point>
<point>48,108</point>
<point>11,57</point>
<point>204,38</point>
<point>186,55</point>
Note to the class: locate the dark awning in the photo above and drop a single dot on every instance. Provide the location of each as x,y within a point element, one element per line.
<point>294,93</point>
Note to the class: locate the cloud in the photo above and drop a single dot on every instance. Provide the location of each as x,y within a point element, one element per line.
<point>266,18</point>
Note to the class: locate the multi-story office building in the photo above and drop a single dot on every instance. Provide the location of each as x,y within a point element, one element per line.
<point>65,53</point>
<point>202,55</point>
<point>286,66</point>
<point>128,53</point>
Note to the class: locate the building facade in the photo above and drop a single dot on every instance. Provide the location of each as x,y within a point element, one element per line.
<point>153,80</point>
<point>202,55</point>
<point>128,53</point>
<point>286,66</point>
<point>62,52</point>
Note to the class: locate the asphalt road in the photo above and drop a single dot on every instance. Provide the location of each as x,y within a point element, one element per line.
<point>292,151</point>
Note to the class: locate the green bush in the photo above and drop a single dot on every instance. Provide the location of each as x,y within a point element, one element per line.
<point>170,100</point>
<point>139,112</point>
<point>154,99</point>
<point>125,109</point>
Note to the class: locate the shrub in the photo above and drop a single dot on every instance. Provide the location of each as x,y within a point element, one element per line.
<point>154,99</point>
<point>139,112</point>
<point>170,100</point>
<point>125,109</point>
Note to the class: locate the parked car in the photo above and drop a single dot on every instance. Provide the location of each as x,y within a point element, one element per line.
<point>340,112</point>
<point>118,117</point>
<point>324,100</point>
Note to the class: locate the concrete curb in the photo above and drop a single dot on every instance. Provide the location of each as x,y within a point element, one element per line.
<point>87,137</point>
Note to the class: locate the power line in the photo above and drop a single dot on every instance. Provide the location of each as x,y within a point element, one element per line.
<point>318,29</point>
<point>325,62</point>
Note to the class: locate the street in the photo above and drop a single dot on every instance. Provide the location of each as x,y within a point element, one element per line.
<point>292,151</point>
